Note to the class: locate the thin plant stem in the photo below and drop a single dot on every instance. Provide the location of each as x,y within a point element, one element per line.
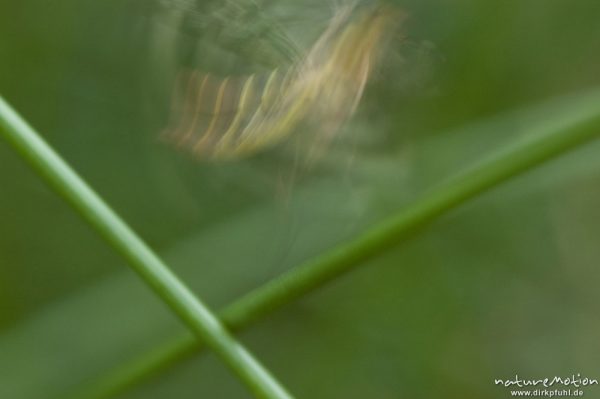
<point>191,310</point>
<point>552,139</point>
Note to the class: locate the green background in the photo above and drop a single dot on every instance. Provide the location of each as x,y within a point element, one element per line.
<point>506,284</point>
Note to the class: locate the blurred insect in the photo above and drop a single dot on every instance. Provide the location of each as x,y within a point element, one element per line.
<point>235,116</point>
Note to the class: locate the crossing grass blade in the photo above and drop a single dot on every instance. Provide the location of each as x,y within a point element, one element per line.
<point>199,319</point>
<point>576,125</point>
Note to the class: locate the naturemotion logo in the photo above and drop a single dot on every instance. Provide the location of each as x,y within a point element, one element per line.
<point>574,381</point>
<point>538,387</point>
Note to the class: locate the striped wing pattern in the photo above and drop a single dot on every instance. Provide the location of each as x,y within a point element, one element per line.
<point>235,116</point>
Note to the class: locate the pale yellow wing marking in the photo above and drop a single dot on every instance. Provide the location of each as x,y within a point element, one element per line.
<point>334,64</point>
<point>347,69</point>
<point>268,92</point>
<point>296,99</point>
<point>210,131</point>
<point>267,102</point>
<point>225,142</point>
<point>274,121</point>
<point>189,133</point>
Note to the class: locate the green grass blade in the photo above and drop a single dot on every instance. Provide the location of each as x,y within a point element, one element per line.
<point>48,164</point>
<point>577,124</point>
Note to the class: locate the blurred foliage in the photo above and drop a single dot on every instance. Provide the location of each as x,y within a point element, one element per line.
<point>507,284</point>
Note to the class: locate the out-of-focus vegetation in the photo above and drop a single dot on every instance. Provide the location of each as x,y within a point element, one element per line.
<point>505,285</point>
